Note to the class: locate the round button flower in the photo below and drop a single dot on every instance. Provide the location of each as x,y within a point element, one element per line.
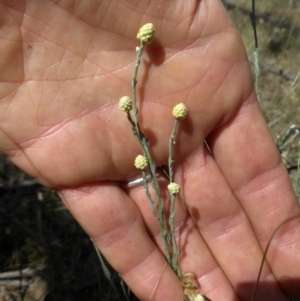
<point>140,162</point>
<point>179,111</point>
<point>125,104</point>
<point>146,33</point>
<point>174,188</point>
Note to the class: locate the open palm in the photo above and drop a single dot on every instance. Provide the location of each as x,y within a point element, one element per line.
<point>64,66</point>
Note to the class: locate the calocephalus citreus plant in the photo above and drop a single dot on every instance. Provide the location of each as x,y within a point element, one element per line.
<point>145,163</point>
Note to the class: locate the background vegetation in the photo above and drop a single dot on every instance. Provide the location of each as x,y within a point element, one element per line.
<point>38,232</point>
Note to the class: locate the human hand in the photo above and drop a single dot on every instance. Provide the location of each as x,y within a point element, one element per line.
<point>64,66</point>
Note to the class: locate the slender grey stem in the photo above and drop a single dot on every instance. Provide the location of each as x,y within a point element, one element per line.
<point>143,140</point>
<point>151,201</point>
<point>171,145</point>
<point>134,83</point>
<point>175,249</point>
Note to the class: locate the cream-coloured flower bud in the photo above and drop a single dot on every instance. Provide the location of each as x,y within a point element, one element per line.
<point>179,111</point>
<point>146,33</point>
<point>140,162</point>
<point>125,104</point>
<point>174,188</point>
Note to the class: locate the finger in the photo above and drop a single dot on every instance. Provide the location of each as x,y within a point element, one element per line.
<point>247,156</point>
<point>194,257</point>
<point>110,217</point>
<point>224,226</point>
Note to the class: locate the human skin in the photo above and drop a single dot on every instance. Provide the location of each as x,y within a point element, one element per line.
<point>65,64</point>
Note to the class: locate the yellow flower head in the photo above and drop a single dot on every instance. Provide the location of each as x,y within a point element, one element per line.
<point>140,162</point>
<point>179,111</point>
<point>174,188</point>
<point>125,104</point>
<point>146,33</point>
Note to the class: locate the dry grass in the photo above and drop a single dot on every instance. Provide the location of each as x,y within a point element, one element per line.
<point>278,26</point>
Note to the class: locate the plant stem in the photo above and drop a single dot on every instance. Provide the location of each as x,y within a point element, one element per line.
<point>175,248</point>
<point>157,206</point>
<point>133,86</point>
